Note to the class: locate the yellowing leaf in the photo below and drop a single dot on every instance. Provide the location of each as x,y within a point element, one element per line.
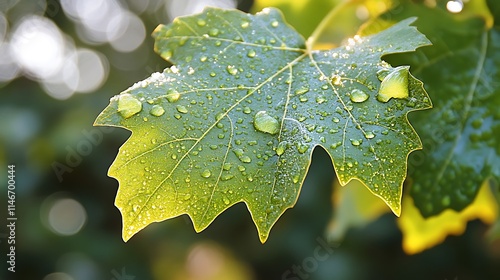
<point>420,233</point>
<point>354,206</point>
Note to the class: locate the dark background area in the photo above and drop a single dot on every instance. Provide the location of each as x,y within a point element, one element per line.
<point>68,227</point>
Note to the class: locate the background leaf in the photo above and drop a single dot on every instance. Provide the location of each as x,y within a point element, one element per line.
<point>237,117</point>
<point>461,144</point>
<point>420,233</point>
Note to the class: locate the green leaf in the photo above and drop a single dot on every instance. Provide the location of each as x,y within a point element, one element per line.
<point>461,135</point>
<point>238,115</point>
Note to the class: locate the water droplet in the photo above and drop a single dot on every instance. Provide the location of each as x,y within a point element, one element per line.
<point>167,54</point>
<point>301,90</point>
<point>358,96</point>
<point>173,95</point>
<point>336,80</point>
<point>382,73</point>
<point>320,99</point>
<point>369,135</point>
<point>356,142</point>
<point>335,145</point>
<point>265,123</point>
<point>247,110</point>
<point>157,110</point>
<point>226,166</point>
<point>245,159</point>
<point>181,109</point>
<point>231,69</point>
<point>128,105</point>
<point>227,177</point>
<point>395,85</point>
<point>251,53</point>
<point>206,173</point>
<point>213,32</point>
<point>302,148</point>
<point>281,148</point>
<point>201,22</point>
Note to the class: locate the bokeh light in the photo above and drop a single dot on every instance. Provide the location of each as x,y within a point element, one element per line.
<point>455,6</point>
<point>63,216</point>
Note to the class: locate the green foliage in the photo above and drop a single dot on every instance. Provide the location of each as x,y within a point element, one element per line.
<point>238,115</point>
<point>461,143</point>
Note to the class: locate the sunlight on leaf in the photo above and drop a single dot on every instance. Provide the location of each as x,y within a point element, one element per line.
<point>238,115</point>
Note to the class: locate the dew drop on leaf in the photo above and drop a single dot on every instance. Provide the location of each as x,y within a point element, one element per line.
<point>355,142</point>
<point>336,80</point>
<point>231,69</point>
<point>201,22</point>
<point>173,95</point>
<point>358,96</point>
<point>369,135</point>
<point>213,32</point>
<point>301,90</point>
<point>395,85</point>
<point>251,53</point>
<point>281,148</point>
<point>181,109</point>
<point>128,105</point>
<point>206,173</point>
<point>157,111</point>
<point>265,123</point>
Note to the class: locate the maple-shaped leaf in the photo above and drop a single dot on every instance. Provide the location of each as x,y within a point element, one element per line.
<point>461,135</point>
<point>237,116</point>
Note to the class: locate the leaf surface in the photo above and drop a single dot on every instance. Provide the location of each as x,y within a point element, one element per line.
<point>238,115</point>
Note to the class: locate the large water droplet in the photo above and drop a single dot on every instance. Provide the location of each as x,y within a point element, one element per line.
<point>157,110</point>
<point>263,122</point>
<point>358,96</point>
<point>173,95</point>
<point>128,105</point>
<point>395,85</point>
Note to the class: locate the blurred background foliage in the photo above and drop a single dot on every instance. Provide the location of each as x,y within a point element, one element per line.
<point>61,61</point>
